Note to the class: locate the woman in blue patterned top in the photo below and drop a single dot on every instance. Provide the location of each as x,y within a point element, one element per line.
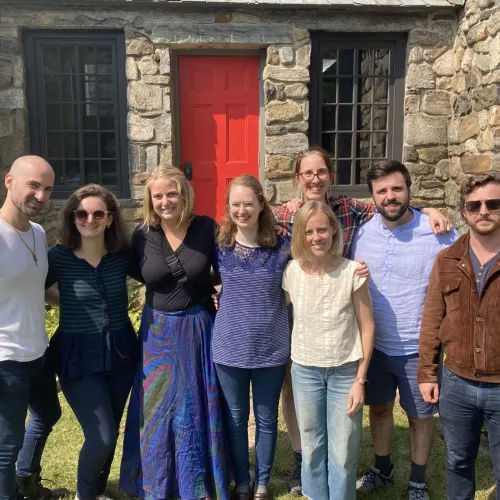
<point>251,342</point>
<point>95,346</point>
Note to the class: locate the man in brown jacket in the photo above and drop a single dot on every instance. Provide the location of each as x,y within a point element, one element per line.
<point>462,314</point>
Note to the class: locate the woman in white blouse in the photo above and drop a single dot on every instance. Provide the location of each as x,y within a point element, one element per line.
<point>332,342</point>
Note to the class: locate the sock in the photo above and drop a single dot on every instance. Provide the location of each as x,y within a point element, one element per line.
<point>261,488</point>
<point>383,464</point>
<point>417,473</point>
<point>242,488</point>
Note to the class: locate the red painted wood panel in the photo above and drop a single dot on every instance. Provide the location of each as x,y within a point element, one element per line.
<point>219,124</point>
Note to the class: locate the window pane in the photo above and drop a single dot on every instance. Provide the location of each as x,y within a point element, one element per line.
<point>343,172</point>
<point>365,62</point>
<point>345,118</point>
<point>362,167</point>
<point>71,149</point>
<point>364,118</point>
<point>380,90</point>
<point>87,59</point>
<point>328,143</point>
<point>363,145</point>
<point>379,145</point>
<point>49,56</point>
<point>346,62</point>
<point>89,88</point>
<point>68,88</point>
<point>109,179</point>
<point>329,91</point>
<point>365,95</point>
<point>379,118</point>
<point>382,62</point>
<point>89,114</point>
<point>70,120</point>
<point>106,116</point>
<point>51,89</point>
<point>68,64</point>
<point>53,116</point>
<point>57,166</point>
<point>72,173</point>
<point>346,90</point>
<point>90,141</point>
<point>329,62</point>
<point>54,145</point>
<point>106,88</point>
<point>328,118</point>
<point>92,171</point>
<point>108,145</point>
<point>344,142</point>
<point>104,60</point>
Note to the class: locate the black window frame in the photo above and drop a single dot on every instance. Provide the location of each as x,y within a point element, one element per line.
<point>397,42</point>
<point>34,87</point>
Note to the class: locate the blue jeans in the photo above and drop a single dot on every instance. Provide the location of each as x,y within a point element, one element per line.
<point>266,388</point>
<point>330,438</point>
<point>463,407</point>
<point>24,385</point>
<point>98,401</point>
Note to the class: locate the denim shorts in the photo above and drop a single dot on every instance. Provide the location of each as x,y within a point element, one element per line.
<point>388,373</point>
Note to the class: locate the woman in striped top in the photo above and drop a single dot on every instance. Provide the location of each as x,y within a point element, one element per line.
<point>95,347</point>
<point>251,342</point>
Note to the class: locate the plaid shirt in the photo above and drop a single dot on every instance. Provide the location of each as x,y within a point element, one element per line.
<point>350,213</point>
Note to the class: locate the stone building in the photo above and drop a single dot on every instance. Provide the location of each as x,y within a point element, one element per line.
<point>108,89</point>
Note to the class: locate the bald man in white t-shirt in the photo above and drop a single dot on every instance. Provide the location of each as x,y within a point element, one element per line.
<point>26,382</point>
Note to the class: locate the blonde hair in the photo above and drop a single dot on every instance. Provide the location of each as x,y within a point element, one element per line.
<point>266,236</point>
<point>186,194</point>
<point>300,248</point>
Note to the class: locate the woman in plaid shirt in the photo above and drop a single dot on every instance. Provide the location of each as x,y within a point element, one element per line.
<point>314,174</point>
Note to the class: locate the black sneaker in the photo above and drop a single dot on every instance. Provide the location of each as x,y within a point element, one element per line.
<point>417,491</point>
<point>294,480</point>
<point>373,479</point>
<point>31,488</point>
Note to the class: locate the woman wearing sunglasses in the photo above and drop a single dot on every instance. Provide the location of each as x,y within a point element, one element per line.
<point>95,346</point>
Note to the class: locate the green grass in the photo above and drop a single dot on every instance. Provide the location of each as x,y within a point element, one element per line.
<point>61,457</point>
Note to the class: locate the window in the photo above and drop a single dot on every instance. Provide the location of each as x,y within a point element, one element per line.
<point>77,107</point>
<point>357,96</point>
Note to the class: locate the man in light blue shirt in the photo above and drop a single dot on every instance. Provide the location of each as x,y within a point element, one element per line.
<point>400,248</point>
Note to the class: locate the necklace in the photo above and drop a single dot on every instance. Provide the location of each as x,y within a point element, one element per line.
<point>32,252</point>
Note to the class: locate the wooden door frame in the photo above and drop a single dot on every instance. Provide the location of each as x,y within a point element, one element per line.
<point>174,89</point>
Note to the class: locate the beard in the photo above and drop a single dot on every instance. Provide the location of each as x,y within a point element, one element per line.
<point>484,231</point>
<point>29,207</point>
<point>393,216</point>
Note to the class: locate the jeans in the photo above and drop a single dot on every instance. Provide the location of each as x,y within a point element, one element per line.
<point>266,388</point>
<point>24,386</point>
<point>330,438</point>
<point>98,402</point>
<point>463,407</point>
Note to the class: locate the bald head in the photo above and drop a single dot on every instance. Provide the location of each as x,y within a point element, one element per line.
<point>29,184</point>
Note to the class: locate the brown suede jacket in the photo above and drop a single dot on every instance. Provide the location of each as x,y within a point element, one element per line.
<point>467,326</point>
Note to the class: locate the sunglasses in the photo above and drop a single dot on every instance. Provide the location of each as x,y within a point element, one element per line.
<point>83,215</point>
<point>475,206</point>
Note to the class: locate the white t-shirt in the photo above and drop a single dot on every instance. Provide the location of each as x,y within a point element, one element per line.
<point>325,329</point>
<point>22,292</point>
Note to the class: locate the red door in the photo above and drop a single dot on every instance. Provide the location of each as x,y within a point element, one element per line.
<point>219,124</point>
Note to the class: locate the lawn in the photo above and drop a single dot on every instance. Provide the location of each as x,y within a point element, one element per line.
<point>61,458</point>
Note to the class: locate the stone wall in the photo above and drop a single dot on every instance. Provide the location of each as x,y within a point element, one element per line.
<point>154,32</point>
<point>474,130</point>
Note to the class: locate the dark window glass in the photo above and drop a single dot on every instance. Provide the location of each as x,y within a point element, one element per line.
<point>357,89</point>
<point>78,111</point>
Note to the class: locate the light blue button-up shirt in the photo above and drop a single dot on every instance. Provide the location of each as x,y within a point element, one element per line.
<point>400,264</point>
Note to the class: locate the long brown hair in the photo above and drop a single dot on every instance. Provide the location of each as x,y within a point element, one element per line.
<point>115,237</point>
<point>266,235</point>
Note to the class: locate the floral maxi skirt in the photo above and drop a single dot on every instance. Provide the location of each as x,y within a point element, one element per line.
<point>174,444</point>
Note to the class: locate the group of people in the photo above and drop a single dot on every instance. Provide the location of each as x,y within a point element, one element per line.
<point>328,303</point>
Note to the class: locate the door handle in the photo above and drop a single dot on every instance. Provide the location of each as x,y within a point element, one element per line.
<point>188,171</point>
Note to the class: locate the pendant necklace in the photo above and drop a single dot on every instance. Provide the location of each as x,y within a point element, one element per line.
<point>32,252</point>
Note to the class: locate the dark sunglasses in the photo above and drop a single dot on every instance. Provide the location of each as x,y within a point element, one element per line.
<point>475,206</point>
<point>83,215</point>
